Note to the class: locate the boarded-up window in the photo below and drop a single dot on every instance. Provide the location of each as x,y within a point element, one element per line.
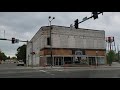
<point>48,41</point>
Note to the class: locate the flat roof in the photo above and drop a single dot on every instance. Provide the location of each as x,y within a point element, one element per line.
<point>69,27</point>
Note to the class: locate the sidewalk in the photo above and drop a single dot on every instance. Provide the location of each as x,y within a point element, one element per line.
<point>114,65</point>
<point>90,67</point>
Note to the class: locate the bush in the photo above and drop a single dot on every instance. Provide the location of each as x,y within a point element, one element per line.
<point>110,57</point>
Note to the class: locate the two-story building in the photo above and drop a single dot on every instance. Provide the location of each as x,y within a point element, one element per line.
<point>69,46</point>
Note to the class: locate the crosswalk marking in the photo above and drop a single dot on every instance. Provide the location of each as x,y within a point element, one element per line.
<point>47,72</point>
<point>58,70</point>
<point>42,70</point>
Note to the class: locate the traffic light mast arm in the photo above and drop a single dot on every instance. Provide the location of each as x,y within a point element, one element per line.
<point>12,40</point>
<point>85,20</point>
<point>5,39</point>
<point>23,41</point>
<point>9,39</point>
<point>90,17</point>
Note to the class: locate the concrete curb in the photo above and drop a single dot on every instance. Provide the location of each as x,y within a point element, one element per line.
<point>69,67</point>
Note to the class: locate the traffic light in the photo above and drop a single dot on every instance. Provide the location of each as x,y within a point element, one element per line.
<point>95,15</point>
<point>76,23</point>
<point>13,40</point>
<point>102,13</point>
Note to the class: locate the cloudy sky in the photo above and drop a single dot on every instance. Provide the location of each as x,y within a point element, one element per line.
<point>24,25</point>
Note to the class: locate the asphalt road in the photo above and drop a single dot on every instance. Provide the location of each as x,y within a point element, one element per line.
<point>9,66</point>
<point>13,71</point>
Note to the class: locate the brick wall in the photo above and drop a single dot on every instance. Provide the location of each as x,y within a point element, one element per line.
<point>69,52</point>
<point>93,53</point>
<point>57,52</point>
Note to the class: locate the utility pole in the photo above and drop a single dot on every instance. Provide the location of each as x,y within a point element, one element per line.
<point>119,56</point>
<point>4,33</point>
<point>50,39</point>
<point>27,60</point>
<point>118,53</point>
<point>32,53</point>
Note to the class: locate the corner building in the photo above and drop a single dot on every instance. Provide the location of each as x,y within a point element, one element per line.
<point>69,46</point>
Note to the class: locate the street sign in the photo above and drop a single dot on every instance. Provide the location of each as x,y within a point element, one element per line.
<point>85,18</point>
<point>16,40</point>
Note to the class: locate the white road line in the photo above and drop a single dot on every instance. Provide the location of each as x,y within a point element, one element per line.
<point>58,70</point>
<point>42,70</point>
<point>46,72</point>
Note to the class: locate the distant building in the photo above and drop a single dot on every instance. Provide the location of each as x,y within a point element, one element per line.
<point>69,45</point>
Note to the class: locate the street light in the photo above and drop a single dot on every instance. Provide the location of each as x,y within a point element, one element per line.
<point>50,20</point>
<point>4,33</point>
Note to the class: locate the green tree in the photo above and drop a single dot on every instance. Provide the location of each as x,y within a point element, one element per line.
<point>14,58</point>
<point>21,53</point>
<point>116,57</point>
<point>2,56</point>
<point>8,57</point>
<point>111,57</point>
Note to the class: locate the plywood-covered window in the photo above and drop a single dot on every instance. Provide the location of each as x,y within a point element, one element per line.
<point>48,41</point>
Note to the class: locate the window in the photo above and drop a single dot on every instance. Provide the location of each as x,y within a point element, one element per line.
<point>48,41</point>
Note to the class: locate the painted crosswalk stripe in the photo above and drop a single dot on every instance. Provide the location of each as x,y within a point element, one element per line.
<point>42,70</point>
<point>46,72</point>
<point>58,70</point>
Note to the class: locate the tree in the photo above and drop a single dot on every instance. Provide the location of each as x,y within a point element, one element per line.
<point>8,57</point>
<point>14,58</point>
<point>111,57</point>
<point>2,56</point>
<point>116,57</point>
<point>21,53</point>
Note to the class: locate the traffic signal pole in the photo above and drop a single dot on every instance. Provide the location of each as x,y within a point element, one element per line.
<point>90,17</point>
<point>85,20</point>
<point>95,16</point>
<point>5,39</point>
<point>11,40</point>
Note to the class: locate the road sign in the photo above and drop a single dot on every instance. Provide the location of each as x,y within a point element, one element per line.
<point>16,40</point>
<point>85,18</point>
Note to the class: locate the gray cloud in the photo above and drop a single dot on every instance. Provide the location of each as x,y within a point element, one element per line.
<point>24,25</point>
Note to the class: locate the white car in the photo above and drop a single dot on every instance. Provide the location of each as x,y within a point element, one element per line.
<point>20,63</point>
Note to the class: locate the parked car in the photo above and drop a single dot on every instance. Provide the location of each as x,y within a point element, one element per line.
<point>20,63</point>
